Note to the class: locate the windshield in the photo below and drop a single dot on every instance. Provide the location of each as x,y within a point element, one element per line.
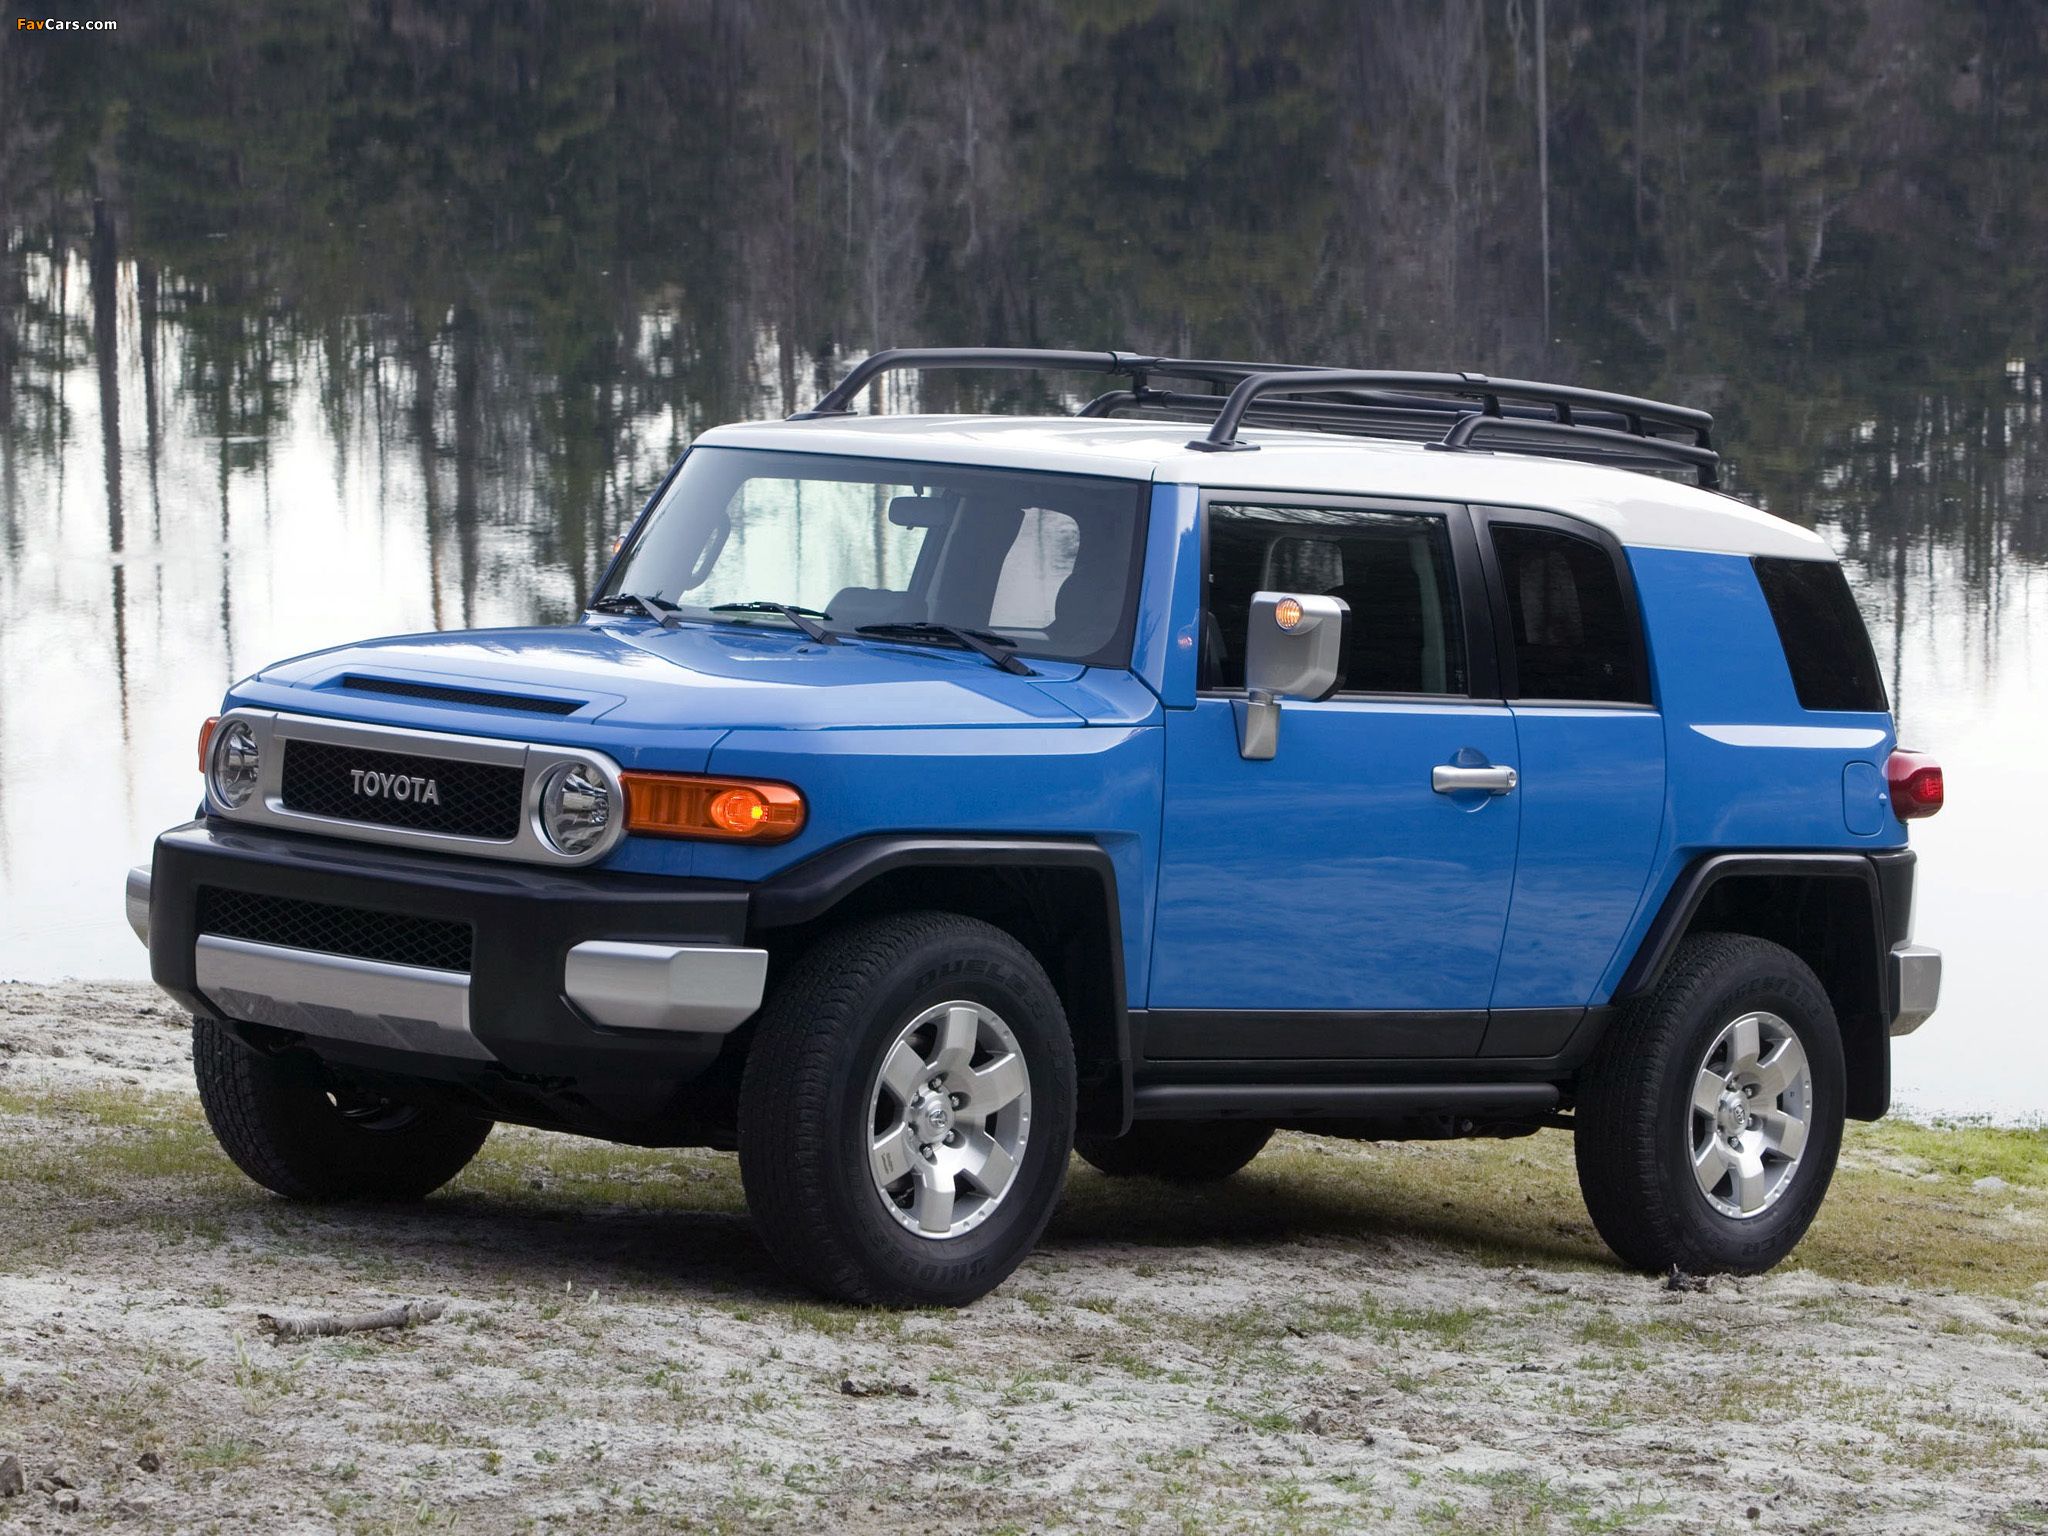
<point>1045,562</point>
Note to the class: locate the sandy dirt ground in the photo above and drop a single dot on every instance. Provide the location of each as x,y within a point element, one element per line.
<point>1343,1338</point>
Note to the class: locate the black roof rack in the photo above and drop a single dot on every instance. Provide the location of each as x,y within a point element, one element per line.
<point>1446,411</point>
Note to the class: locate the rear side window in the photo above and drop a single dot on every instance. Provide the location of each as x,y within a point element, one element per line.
<point>1826,645</point>
<point>1393,569</point>
<point>1569,626</point>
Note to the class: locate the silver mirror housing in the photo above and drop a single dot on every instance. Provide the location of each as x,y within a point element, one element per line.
<point>1294,648</point>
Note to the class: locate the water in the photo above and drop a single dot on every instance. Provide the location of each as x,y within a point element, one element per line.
<point>339,320</point>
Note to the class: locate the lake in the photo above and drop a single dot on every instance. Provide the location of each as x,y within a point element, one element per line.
<point>344,319</point>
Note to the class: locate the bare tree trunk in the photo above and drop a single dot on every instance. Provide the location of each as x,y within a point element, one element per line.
<point>1637,129</point>
<point>105,268</point>
<point>1543,158</point>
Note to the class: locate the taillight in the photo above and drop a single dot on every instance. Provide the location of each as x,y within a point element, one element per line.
<point>206,739</point>
<point>729,810</point>
<point>1915,781</point>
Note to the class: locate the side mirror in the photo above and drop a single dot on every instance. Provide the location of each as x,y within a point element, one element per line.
<point>1294,648</point>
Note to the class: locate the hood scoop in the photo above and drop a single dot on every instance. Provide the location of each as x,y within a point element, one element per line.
<point>443,693</point>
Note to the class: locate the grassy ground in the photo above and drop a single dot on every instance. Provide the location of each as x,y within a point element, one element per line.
<point>1404,1337</point>
<point>1904,1209</point>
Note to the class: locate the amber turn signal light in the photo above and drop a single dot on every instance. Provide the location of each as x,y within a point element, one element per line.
<point>206,739</point>
<point>728,810</point>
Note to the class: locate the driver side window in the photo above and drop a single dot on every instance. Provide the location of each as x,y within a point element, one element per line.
<point>1393,569</point>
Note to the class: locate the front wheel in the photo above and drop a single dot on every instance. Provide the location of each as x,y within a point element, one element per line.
<point>1710,1116</point>
<point>299,1135</point>
<point>906,1111</point>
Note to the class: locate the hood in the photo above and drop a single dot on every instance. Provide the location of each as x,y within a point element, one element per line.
<point>702,675</point>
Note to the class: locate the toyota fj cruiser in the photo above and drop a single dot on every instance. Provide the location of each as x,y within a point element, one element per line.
<point>923,798</point>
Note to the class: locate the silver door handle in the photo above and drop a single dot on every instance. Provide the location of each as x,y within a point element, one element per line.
<point>1446,780</point>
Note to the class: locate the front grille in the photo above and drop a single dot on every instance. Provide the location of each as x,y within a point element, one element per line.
<point>436,943</point>
<point>469,799</point>
<point>399,688</point>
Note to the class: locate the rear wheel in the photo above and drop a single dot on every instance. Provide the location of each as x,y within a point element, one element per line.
<point>1178,1151</point>
<point>907,1110</point>
<point>292,1131</point>
<point>1710,1117</point>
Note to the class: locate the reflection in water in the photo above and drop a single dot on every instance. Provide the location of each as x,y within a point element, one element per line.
<point>344,319</point>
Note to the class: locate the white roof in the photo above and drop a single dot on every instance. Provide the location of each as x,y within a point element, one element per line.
<point>1637,508</point>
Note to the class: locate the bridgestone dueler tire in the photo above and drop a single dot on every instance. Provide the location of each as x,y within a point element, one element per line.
<point>1178,1151</point>
<point>273,1116</point>
<point>806,1109</point>
<point>1633,1115</point>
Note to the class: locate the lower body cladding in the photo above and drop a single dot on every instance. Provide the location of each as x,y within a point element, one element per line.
<point>575,1000</point>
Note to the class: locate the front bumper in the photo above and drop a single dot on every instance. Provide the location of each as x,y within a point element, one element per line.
<point>570,973</point>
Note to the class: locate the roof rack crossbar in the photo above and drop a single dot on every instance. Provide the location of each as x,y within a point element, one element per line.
<point>1459,439</point>
<point>1365,415</point>
<point>839,400</point>
<point>1560,415</point>
<point>1222,436</point>
<point>1491,391</point>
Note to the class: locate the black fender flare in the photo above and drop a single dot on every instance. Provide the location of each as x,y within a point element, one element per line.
<point>812,889</point>
<point>1883,882</point>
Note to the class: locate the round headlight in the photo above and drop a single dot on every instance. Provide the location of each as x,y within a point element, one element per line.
<point>236,764</point>
<point>575,807</point>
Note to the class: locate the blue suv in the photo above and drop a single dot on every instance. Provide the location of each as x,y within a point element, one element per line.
<point>924,798</point>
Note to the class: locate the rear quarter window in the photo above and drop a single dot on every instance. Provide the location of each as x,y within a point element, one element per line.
<point>1826,645</point>
<point>1570,631</point>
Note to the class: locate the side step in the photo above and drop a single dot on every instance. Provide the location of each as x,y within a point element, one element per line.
<point>1338,1101</point>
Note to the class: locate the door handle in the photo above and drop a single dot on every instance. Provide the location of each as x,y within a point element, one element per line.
<point>1448,780</point>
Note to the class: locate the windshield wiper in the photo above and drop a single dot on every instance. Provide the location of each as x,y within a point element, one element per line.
<point>805,619</point>
<point>978,640</point>
<point>658,609</point>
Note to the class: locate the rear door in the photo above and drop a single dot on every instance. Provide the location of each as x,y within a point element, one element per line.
<point>1575,671</point>
<point>1330,901</point>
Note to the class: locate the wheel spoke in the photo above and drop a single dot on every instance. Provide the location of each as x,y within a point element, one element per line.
<point>1750,1183</point>
<point>1710,1164</point>
<point>934,1200</point>
<point>903,1073</point>
<point>989,1088</point>
<point>1781,1070</point>
<point>989,1168</point>
<point>890,1157</point>
<point>1745,1044</point>
<point>1707,1090</point>
<point>1785,1133</point>
<point>956,1039</point>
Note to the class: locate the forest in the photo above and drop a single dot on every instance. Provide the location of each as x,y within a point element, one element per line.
<point>538,247</point>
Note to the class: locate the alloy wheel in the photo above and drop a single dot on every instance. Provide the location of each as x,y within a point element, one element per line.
<point>1752,1102</point>
<point>950,1116</point>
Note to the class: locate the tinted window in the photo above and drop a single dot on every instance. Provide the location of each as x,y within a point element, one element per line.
<point>1826,645</point>
<point>1393,569</point>
<point>1569,626</point>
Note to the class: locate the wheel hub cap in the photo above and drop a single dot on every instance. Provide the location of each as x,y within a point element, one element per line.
<point>950,1117</point>
<point>1732,1117</point>
<point>1752,1102</point>
<point>932,1118</point>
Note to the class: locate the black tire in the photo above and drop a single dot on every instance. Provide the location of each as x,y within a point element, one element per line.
<point>1636,1126</point>
<point>807,1111</point>
<point>1178,1151</point>
<point>277,1118</point>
